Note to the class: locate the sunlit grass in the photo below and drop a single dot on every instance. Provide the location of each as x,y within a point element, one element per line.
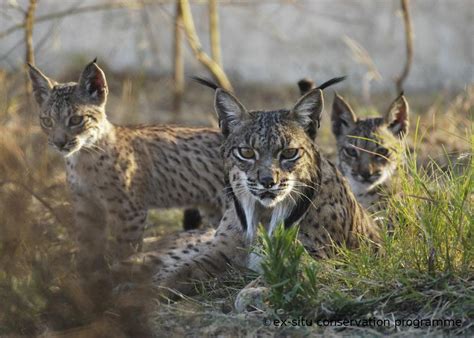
<point>426,270</point>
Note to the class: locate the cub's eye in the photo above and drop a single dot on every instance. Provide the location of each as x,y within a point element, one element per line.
<point>76,120</point>
<point>289,154</point>
<point>383,152</point>
<point>350,151</point>
<point>47,122</point>
<point>246,153</point>
<point>382,155</point>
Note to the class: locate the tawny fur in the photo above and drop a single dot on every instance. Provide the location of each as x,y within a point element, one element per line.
<point>370,150</point>
<point>305,190</point>
<point>116,173</point>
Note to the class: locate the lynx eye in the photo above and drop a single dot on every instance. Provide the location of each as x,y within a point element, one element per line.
<point>75,120</point>
<point>47,122</point>
<point>246,153</point>
<point>350,151</point>
<point>383,152</point>
<point>289,154</point>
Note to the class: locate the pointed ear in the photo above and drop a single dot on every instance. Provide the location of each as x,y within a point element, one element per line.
<point>397,116</point>
<point>92,85</point>
<point>305,85</point>
<point>229,110</point>
<point>343,117</point>
<point>41,84</point>
<point>307,111</point>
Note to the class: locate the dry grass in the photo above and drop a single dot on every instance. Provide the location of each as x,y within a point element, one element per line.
<point>40,290</point>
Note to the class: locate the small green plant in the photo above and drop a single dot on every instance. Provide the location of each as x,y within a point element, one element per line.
<point>287,269</point>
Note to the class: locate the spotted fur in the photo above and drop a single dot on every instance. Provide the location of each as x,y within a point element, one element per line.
<point>268,182</point>
<point>116,173</point>
<point>369,150</point>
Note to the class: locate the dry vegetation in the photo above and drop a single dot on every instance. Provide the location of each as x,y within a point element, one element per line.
<point>41,292</point>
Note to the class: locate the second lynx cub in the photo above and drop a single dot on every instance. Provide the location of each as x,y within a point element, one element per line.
<point>117,173</point>
<point>368,149</point>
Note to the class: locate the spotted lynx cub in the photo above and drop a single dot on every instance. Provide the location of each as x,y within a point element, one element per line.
<point>274,173</point>
<point>368,149</point>
<point>117,173</point>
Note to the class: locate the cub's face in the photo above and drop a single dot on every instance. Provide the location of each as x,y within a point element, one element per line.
<point>71,114</point>
<point>369,149</point>
<point>269,155</point>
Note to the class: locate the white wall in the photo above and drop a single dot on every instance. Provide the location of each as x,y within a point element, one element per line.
<point>268,40</point>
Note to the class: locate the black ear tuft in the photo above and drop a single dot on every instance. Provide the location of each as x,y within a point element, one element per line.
<point>305,85</point>
<point>331,82</point>
<point>205,82</point>
<point>95,60</point>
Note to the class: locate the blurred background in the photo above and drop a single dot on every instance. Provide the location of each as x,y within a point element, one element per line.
<point>149,48</point>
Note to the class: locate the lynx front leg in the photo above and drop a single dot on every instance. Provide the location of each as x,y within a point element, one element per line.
<point>178,269</point>
<point>90,223</point>
<point>126,224</point>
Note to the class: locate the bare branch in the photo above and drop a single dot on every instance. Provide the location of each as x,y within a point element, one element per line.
<point>195,45</point>
<point>408,45</point>
<point>214,32</point>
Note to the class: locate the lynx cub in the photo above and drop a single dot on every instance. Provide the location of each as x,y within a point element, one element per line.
<point>117,173</point>
<point>368,149</point>
<point>275,173</point>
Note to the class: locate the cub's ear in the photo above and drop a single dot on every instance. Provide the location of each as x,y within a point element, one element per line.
<point>343,117</point>
<point>307,111</point>
<point>305,85</point>
<point>397,116</point>
<point>229,111</point>
<point>41,84</point>
<point>92,84</point>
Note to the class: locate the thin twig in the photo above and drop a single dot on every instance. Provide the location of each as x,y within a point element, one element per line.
<point>36,196</point>
<point>408,45</point>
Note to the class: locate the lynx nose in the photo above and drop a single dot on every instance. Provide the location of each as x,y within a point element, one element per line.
<point>60,143</point>
<point>366,174</point>
<point>267,181</point>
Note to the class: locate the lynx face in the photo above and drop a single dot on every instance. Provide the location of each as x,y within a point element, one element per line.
<point>71,114</point>
<point>269,155</point>
<point>368,149</point>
